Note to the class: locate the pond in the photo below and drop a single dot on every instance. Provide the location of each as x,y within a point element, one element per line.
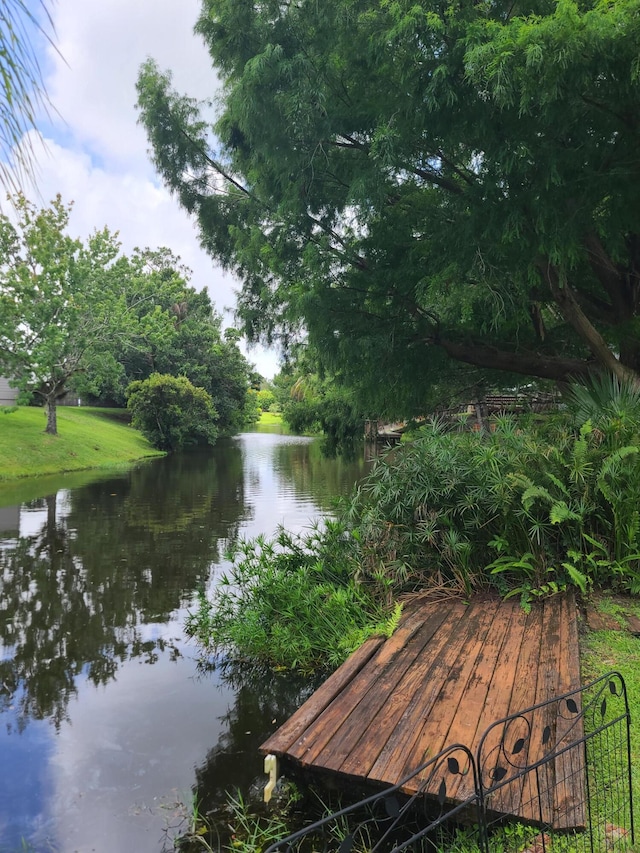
<point>109,723</point>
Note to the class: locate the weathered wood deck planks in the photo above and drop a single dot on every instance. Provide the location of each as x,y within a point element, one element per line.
<point>450,671</point>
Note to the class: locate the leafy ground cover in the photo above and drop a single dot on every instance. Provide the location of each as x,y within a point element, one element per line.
<point>88,438</point>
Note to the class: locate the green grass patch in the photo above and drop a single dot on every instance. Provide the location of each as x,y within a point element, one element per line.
<point>272,422</point>
<point>603,651</point>
<point>617,606</point>
<point>269,418</point>
<point>88,438</point>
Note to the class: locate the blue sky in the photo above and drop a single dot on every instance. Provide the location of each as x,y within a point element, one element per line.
<point>94,153</point>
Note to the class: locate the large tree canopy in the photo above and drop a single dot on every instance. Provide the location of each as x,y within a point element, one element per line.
<point>421,185</point>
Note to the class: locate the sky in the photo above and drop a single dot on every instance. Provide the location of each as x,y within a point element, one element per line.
<point>95,154</point>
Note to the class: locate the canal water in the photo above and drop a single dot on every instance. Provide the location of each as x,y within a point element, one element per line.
<point>109,724</point>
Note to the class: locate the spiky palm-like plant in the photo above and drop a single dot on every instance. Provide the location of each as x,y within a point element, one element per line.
<point>22,91</point>
<point>612,406</point>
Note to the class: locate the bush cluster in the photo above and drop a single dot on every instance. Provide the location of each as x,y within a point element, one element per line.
<point>530,507</point>
<point>291,602</point>
<point>171,412</point>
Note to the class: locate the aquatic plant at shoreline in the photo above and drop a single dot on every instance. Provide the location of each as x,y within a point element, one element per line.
<point>528,507</point>
<point>292,602</point>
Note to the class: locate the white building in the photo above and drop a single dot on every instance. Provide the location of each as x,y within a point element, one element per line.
<point>8,395</point>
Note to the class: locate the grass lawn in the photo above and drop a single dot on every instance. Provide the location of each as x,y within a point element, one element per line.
<point>617,650</point>
<point>269,418</point>
<point>87,438</point>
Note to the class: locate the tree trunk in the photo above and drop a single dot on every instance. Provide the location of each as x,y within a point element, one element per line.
<point>567,303</point>
<point>52,415</point>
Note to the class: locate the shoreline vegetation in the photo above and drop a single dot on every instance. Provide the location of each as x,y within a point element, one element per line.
<point>89,438</point>
<point>528,508</point>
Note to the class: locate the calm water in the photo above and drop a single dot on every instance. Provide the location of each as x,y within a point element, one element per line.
<point>108,724</point>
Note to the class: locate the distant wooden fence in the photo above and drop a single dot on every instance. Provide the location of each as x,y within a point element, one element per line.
<point>472,415</point>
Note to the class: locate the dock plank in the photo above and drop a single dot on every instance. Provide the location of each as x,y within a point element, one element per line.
<point>384,726</point>
<point>300,721</point>
<point>308,747</point>
<point>450,670</point>
<point>373,705</point>
<point>523,795</point>
<point>437,667</point>
<point>432,734</point>
<point>471,692</point>
<point>467,729</point>
<point>537,800</point>
<point>507,800</point>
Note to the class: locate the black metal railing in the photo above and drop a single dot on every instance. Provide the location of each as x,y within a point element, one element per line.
<point>555,775</point>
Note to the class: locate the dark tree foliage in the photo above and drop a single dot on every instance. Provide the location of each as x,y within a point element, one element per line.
<point>437,193</point>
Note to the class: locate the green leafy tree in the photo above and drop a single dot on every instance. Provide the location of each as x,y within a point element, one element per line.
<point>85,317</point>
<point>177,332</point>
<point>266,399</point>
<point>171,412</point>
<point>313,402</point>
<point>62,303</point>
<point>440,196</point>
<point>228,380</point>
<point>252,409</point>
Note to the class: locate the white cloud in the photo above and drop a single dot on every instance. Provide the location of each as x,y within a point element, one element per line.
<point>142,211</point>
<point>115,774</point>
<point>96,151</point>
<point>91,80</point>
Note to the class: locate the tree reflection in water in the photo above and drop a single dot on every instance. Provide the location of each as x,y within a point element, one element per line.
<point>95,581</point>
<point>80,593</point>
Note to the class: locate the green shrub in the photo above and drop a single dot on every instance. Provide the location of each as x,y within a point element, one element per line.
<point>529,508</point>
<point>267,400</point>
<point>290,602</point>
<point>171,412</point>
<point>430,511</point>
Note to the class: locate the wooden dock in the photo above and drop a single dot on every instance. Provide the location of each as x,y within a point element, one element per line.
<point>447,674</point>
